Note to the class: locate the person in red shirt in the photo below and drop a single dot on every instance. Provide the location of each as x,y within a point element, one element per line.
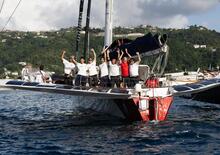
<point>125,69</point>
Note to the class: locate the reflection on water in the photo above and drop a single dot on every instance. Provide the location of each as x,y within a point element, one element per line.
<point>41,123</point>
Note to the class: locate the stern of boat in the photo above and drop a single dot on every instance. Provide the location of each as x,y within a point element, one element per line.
<point>151,104</point>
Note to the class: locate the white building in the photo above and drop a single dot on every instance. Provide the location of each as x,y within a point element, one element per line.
<point>22,63</point>
<point>41,36</point>
<point>14,73</point>
<point>203,46</point>
<point>4,40</point>
<point>214,50</point>
<point>128,35</point>
<point>196,46</point>
<point>82,32</point>
<point>135,34</point>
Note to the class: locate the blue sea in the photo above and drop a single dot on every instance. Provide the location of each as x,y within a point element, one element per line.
<point>40,123</point>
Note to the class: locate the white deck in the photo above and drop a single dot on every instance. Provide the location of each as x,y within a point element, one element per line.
<point>101,93</point>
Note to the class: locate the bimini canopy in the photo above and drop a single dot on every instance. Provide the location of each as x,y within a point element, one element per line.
<point>147,45</point>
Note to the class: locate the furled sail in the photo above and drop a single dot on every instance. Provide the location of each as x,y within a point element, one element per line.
<point>147,45</point>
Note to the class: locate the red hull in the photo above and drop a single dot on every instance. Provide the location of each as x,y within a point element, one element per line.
<point>157,108</point>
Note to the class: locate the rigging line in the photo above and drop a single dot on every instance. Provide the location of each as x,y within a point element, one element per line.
<point>3,2</point>
<point>11,16</point>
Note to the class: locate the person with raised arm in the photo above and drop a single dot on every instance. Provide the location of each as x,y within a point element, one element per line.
<point>134,69</point>
<point>125,69</point>
<point>81,77</point>
<point>69,67</point>
<point>103,69</point>
<point>114,70</point>
<point>92,70</point>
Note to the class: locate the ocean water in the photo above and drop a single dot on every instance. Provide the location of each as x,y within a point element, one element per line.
<point>41,123</point>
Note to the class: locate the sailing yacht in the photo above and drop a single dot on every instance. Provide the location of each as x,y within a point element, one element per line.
<point>147,101</point>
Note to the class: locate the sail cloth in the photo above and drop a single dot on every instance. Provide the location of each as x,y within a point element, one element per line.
<point>147,45</point>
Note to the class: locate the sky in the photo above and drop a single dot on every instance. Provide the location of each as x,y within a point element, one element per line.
<point>43,15</point>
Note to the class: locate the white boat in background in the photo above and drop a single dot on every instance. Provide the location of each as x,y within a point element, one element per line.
<point>181,78</point>
<point>203,86</point>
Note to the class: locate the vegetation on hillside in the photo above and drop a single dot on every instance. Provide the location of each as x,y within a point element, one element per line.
<point>45,47</point>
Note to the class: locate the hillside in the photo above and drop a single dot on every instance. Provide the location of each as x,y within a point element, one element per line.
<point>189,48</point>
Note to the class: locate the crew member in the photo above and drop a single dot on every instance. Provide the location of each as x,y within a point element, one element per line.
<point>69,67</point>
<point>125,68</point>
<point>103,68</point>
<point>114,70</point>
<point>134,70</point>
<point>81,78</point>
<point>92,70</point>
<point>41,76</point>
<point>25,73</point>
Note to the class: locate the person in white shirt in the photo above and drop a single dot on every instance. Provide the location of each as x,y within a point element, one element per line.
<point>92,70</point>
<point>41,76</point>
<point>69,67</point>
<point>114,70</point>
<point>25,73</point>
<point>103,69</point>
<point>81,78</point>
<point>134,70</point>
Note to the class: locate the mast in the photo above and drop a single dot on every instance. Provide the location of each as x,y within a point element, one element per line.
<point>108,22</point>
<point>79,26</point>
<point>86,41</point>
